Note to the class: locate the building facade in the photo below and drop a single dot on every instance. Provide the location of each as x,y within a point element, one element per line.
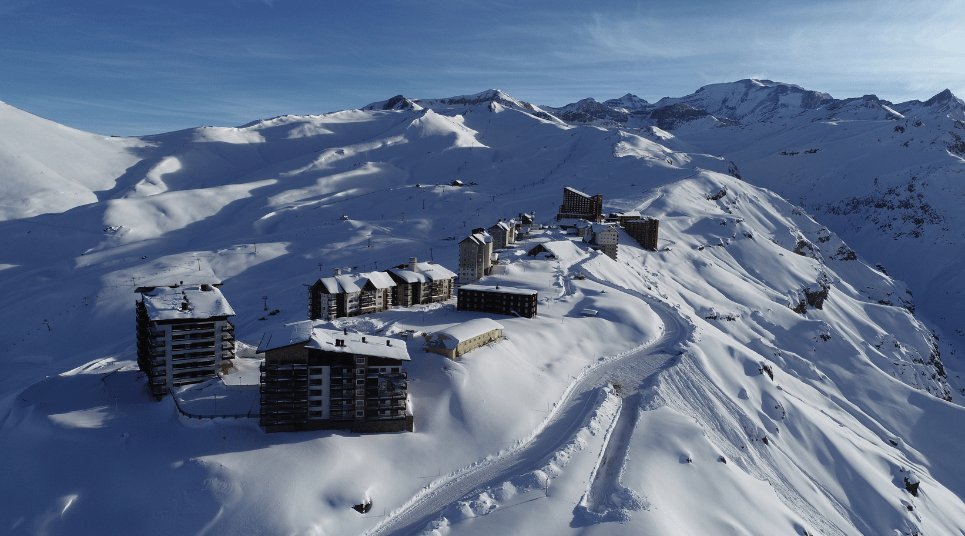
<point>475,257</point>
<point>645,231</point>
<point>322,379</point>
<point>421,282</point>
<point>578,205</point>
<point>463,338</point>
<point>510,301</point>
<point>605,237</point>
<point>503,233</point>
<point>183,335</point>
<point>350,295</point>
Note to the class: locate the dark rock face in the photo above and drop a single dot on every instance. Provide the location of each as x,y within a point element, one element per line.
<point>670,117</point>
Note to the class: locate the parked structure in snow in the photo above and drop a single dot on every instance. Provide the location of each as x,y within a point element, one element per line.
<point>457,340</point>
<point>421,282</point>
<point>350,295</point>
<point>644,231</point>
<point>510,301</point>
<point>503,233</point>
<point>183,334</point>
<point>578,205</point>
<point>605,237</point>
<point>322,379</point>
<point>475,257</point>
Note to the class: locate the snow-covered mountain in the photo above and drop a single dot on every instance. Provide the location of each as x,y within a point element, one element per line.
<point>756,375</point>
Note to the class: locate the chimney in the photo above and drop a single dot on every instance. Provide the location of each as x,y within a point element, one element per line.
<point>413,265</point>
<point>206,287</point>
<point>388,343</point>
<point>363,339</point>
<point>345,331</point>
<point>338,271</point>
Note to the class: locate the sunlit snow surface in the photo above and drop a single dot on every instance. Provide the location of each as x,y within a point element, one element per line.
<point>586,425</point>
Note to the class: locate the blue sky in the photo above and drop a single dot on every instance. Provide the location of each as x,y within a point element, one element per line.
<point>144,67</point>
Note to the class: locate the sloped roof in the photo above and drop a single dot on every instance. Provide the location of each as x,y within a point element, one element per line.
<point>600,227</point>
<point>356,282</point>
<point>501,225</point>
<point>575,191</point>
<point>287,335</point>
<point>427,272</point>
<point>467,330</point>
<point>164,303</point>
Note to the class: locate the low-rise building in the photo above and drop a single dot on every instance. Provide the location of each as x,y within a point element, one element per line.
<point>460,339</point>
<point>526,222</point>
<point>421,282</point>
<point>323,379</point>
<point>605,237</point>
<point>500,300</point>
<point>645,231</point>
<point>183,335</point>
<point>621,218</point>
<point>475,257</point>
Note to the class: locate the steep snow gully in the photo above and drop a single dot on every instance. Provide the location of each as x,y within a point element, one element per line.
<point>629,370</point>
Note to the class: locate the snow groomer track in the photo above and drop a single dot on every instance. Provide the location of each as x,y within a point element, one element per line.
<point>630,369</point>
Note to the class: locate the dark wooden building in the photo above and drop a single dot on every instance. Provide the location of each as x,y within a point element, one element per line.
<point>580,206</point>
<point>644,231</point>
<point>322,379</point>
<point>510,301</point>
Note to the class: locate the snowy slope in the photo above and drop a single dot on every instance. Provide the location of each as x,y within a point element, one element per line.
<point>592,425</point>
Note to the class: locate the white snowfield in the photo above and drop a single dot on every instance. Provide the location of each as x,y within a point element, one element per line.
<point>756,375</point>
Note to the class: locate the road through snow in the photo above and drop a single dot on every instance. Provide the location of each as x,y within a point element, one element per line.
<point>629,369</point>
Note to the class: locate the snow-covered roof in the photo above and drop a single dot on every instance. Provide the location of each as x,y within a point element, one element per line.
<point>324,339</point>
<point>500,288</point>
<point>479,238</point>
<point>575,191</point>
<point>427,272</point>
<point>600,227</point>
<point>467,330</point>
<point>581,224</point>
<point>355,283</point>
<point>501,225</point>
<point>628,214</point>
<point>164,303</point>
<point>287,335</point>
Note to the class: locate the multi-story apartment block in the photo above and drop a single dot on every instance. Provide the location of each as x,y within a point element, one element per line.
<point>421,282</point>
<point>510,301</point>
<point>621,218</point>
<point>578,205</point>
<point>322,379</point>
<point>645,231</point>
<point>350,295</point>
<point>503,233</point>
<point>183,334</point>
<point>475,257</point>
<point>605,237</point>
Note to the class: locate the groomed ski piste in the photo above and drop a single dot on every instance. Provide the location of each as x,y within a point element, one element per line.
<point>704,398</point>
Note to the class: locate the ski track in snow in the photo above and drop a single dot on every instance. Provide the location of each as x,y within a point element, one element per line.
<point>631,368</point>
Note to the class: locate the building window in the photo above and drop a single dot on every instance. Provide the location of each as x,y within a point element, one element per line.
<point>315,371</point>
<point>315,392</point>
<point>360,360</point>
<point>359,392</point>
<point>360,371</point>
<point>314,413</point>
<point>360,382</point>
<point>315,403</point>
<point>359,403</point>
<point>360,413</point>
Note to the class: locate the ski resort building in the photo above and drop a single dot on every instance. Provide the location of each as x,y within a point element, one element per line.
<point>605,237</point>
<point>578,205</point>
<point>350,295</point>
<point>475,257</point>
<point>183,335</point>
<point>420,282</point>
<point>503,233</point>
<point>525,222</point>
<point>322,379</point>
<point>621,218</point>
<point>498,300</point>
<point>644,231</point>
<point>463,338</point>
